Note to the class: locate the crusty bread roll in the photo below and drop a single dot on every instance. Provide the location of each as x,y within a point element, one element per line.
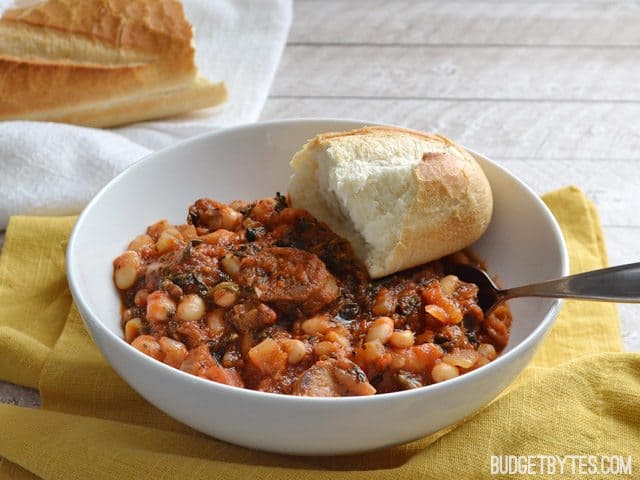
<point>400,197</point>
<point>100,63</point>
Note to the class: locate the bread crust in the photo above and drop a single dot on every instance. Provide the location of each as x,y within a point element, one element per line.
<point>154,26</point>
<point>94,54</point>
<point>463,204</point>
<point>377,131</point>
<point>450,208</point>
<point>123,110</point>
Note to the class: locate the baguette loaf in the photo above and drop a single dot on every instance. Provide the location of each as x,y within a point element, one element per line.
<point>400,197</point>
<point>100,63</point>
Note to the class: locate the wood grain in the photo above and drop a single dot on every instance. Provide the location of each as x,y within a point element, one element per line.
<point>469,22</point>
<point>518,73</point>
<point>622,247</point>
<point>19,395</point>
<point>613,189</point>
<point>540,130</point>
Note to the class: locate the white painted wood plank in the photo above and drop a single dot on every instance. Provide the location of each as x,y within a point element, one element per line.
<point>540,130</point>
<point>469,22</point>
<point>622,246</point>
<point>612,185</point>
<point>630,326</point>
<point>560,73</point>
<point>18,395</point>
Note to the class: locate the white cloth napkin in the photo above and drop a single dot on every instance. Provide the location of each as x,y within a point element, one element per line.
<point>49,168</point>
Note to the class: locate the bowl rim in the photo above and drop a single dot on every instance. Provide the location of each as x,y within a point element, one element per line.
<point>93,323</point>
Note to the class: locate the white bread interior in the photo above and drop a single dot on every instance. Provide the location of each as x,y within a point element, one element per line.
<point>400,197</point>
<point>100,63</point>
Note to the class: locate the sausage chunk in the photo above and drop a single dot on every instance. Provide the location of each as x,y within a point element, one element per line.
<point>247,318</point>
<point>333,378</point>
<point>206,213</point>
<point>289,278</point>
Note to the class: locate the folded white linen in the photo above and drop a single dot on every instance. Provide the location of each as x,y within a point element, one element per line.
<point>50,168</point>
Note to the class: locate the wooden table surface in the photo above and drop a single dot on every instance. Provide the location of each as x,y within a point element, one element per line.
<point>548,89</point>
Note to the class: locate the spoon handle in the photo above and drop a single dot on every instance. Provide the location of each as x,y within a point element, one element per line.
<point>614,284</point>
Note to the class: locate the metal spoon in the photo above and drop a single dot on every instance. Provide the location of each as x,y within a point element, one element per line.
<point>615,284</point>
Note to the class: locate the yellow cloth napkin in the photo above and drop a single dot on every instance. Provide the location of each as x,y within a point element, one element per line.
<point>580,395</point>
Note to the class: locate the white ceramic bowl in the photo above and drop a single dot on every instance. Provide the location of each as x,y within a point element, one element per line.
<point>523,244</point>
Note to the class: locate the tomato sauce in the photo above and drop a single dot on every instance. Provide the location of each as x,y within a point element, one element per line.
<point>264,296</point>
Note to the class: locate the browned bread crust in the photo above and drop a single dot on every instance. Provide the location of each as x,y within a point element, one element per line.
<point>100,62</point>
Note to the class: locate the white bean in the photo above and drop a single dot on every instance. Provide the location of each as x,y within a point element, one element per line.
<point>381,329</point>
<point>191,308</point>
<point>325,349</point>
<point>402,339</point>
<point>132,329</point>
<point>317,324</point>
<point>157,228</point>
<point>339,339</point>
<point>127,266</point>
<point>220,237</point>
<point>295,350</point>
<point>443,371</point>
<point>373,350</point>
<point>215,322</point>
<point>230,218</point>
<point>231,265</point>
<point>170,239</point>
<point>449,284</point>
<point>487,350</point>
<point>139,242</point>
<point>160,307</point>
